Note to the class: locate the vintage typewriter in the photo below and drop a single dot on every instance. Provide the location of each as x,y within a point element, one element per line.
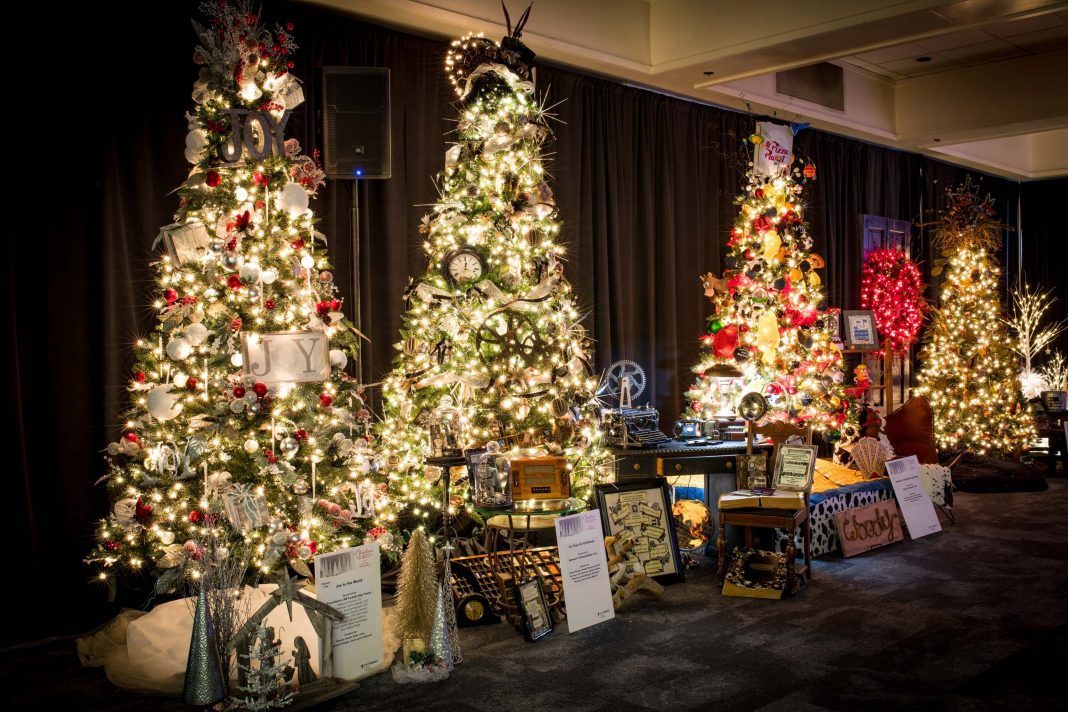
<point>632,427</point>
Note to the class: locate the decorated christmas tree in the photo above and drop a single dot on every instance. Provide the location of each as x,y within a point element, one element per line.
<point>768,327</point>
<point>244,425</point>
<point>969,371</point>
<point>491,338</point>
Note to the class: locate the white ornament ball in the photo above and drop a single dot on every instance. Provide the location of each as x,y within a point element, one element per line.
<point>268,276</point>
<point>251,446</point>
<point>196,334</point>
<point>165,537</point>
<point>195,143</point>
<point>236,361</point>
<point>250,273</point>
<point>162,404</point>
<point>181,379</point>
<point>179,348</point>
<point>307,261</point>
<point>338,359</point>
<point>240,194</point>
<point>293,199</point>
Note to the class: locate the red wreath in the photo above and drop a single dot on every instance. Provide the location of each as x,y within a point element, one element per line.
<point>892,288</point>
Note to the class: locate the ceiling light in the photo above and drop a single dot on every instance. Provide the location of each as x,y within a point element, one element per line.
<point>709,74</point>
<point>924,58</point>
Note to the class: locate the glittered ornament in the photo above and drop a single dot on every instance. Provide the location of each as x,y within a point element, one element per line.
<point>230,260</point>
<point>301,486</point>
<point>179,348</point>
<point>196,334</point>
<point>289,446</point>
<point>293,199</point>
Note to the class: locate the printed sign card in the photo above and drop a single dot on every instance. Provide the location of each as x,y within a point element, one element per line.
<point>584,569</point>
<point>350,580</point>
<point>916,506</point>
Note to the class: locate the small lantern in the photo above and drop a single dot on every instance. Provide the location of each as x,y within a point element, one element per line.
<point>445,430</point>
<point>491,487</point>
<point>728,380</point>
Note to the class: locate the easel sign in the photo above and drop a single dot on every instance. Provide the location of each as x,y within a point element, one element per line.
<point>916,506</point>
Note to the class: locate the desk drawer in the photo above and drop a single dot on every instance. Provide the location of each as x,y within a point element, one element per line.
<point>635,468</point>
<point>700,465</point>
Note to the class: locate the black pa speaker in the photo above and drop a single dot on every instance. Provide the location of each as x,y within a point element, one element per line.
<point>356,122</point>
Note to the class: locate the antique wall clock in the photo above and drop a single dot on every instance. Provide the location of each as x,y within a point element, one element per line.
<point>463,265</point>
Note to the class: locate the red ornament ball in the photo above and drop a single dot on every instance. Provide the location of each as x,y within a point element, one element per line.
<point>171,295</point>
<point>260,179</point>
<point>212,178</point>
<point>810,171</point>
<point>260,389</point>
<point>326,400</point>
<point>235,324</point>
<point>196,516</point>
<point>301,434</point>
<point>233,281</point>
<point>759,192</point>
<point>112,545</point>
<point>269,304</point>
<point>131,436</point>
<point>239,391</point>
<point>140,377</point>
<point>192,383</point>
<point>297,244</point>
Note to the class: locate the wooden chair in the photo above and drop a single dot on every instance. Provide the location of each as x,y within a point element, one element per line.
<point>764,518</point>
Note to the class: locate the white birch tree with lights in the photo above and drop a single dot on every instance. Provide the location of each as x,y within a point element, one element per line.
<point>244,428</point>
<point>491,326</point>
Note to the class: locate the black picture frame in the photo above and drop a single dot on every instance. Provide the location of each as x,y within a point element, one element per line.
<point>611,501</point>
<point>537,620</point>
<point>859,330</point>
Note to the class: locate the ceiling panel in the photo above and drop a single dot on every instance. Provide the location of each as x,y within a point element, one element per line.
<point>984,51</point>
<point>1043,39</point>
<point>890,54</point>
<point>911,68</point>
<point>1028,24</point>
<point>952,40</point>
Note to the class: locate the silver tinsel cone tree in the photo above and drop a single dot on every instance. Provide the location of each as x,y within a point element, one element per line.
<point>231,427</point>
<point>492,325</point>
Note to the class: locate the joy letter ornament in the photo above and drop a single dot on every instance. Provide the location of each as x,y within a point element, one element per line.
<point>256,131</point>
<point>286,357</point>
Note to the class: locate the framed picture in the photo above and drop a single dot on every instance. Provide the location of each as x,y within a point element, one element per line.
<point>860,331</point>
<point>833,319</point>
<point>537,621</point>
<point>752,471</point>
<point>794,467</point>
<point>642,510</point>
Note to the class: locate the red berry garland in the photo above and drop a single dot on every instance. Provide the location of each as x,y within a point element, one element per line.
<point>892,288</point>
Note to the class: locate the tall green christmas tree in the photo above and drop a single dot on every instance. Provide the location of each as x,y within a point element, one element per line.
<point>768,319</point>
<point>969,371</point>
<point>491,328</point>
<point>244,426</point>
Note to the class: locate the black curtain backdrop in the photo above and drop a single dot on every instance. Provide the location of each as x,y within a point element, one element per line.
<point>1045,243</point>
<point>645,184</point>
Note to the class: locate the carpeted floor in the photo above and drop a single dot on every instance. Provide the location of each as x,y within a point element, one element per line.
<point>972,618</point>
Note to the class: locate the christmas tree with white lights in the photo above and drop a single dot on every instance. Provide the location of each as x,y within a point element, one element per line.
<point>969,371</point>
<point>491,329</point>
<point>768,331</point>
<point>245,428</point>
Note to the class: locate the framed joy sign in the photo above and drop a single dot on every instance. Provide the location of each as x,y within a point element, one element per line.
<point>287,357</point>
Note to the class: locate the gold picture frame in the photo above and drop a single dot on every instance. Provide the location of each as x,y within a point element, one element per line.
<point>795,467</point>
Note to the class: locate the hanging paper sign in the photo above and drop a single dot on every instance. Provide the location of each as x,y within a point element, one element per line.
<point>350,581</point>
<point>286,357</point>
<point>257,133</point>
<point>184,242</point>
<point>584,569</point>
<point>774,154</point>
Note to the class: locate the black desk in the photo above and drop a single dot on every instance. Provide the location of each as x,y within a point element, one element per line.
<point>672,459</point>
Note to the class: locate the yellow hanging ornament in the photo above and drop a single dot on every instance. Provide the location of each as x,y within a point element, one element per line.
<point>768,336</point>
<point>772,243</point>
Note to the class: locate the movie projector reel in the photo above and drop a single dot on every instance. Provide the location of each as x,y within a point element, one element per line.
<point>622,382</point>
